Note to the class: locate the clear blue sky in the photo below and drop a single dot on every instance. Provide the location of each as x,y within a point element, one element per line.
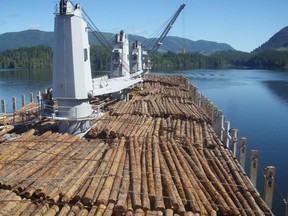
<point>244,24</point>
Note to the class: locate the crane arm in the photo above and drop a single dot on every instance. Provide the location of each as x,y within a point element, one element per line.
<point>166,31</point>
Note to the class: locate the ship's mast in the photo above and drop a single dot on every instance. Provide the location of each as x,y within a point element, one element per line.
<point>120,65</point>
<point>71,69</point>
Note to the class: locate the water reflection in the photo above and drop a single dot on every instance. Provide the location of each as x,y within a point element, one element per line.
<point>279,88</point>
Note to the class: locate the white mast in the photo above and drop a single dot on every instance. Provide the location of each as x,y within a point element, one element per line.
<point>136,57</point>
<point>71,68</point>
<point>120,56</point>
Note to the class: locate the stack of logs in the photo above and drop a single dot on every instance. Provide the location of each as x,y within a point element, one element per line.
<point>154,155</point>
<point>25,113</point>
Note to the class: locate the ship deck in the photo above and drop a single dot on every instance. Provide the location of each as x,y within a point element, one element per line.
<point>156,154</point>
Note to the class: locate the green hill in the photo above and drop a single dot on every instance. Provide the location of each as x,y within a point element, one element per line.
<point>278,41</point>
<point>31,38</point>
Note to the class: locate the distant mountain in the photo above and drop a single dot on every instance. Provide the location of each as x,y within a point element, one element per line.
<point>30,38</point>
<point>14,40</point>
<point>278,41</point>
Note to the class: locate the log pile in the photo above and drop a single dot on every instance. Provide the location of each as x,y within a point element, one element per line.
<point>26,113</point>
<point>136,163</point>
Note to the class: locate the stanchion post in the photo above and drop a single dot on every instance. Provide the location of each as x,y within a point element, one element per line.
<point>234,135</point>
<point>269,185</point>
<point>14,105</point>
<point>242,154</point>
<point>226,133</point>
<point>254,159</point>
<point>39,96</point>
<point>221,125</point>
<point>3,105</point>
<point>23,100</point>
<point>31,97</point>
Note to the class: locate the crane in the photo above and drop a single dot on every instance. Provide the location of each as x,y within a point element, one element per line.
<point>159,42</point>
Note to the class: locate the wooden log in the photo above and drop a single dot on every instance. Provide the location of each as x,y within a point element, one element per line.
<point>186,164</point>
<point>173,170</point>
<point>144,182</point>
<point>41,209</point>
<point>31,167</point>
<point>121,204</point>
<point>10,202</point>
<point>40,174</point>
<point>139,212</point>
<point>45,187</point>
<point>100,210</point>
<point>52,211</point>
<point>118,179</point>
<point>64,210</point>
<point>150,177</point>
<point>93,210</point>
<point>105,192</point>
<point>88,198</point>
<point>83,212</point>
<point>240,181</point>
<point>68,188</point>
<point>239,204</point>
<point>104,176</point>
<point>170,187</point>
<point>109,209</point>
<point>136,173</point>
<point>159,202</point>
<point>190,191</point>
<point>29,210</point>
<point>215,193</point>
<point>228,195</point>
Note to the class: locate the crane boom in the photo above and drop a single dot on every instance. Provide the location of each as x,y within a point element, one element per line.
<point>166,31</point>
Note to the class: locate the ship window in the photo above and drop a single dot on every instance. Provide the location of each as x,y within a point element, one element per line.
<point>85,54</point>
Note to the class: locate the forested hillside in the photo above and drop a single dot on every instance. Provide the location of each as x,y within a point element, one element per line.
<point>41,57</point>
<point>277,41</point>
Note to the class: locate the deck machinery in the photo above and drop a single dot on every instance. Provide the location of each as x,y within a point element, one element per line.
<point>73,86</point>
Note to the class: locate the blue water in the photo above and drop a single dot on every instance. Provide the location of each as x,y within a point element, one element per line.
<point>254,101</point>
<point>15,83</point>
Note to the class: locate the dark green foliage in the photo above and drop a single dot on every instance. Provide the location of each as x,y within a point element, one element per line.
<point>41,57</point>
<point>100,58</point>
<point>32,57</point>
<point>269,59</point>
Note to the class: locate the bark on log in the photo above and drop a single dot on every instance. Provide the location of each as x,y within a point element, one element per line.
<point>107,187</point>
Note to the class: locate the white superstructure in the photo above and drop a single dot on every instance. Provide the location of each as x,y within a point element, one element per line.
<point>72,79</point>
<point>136,57</point>
<point>73,86</point>
<point>120,65</point>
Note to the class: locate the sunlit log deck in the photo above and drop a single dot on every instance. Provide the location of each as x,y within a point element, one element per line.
<point>24,114</point>
<point>156,154</point>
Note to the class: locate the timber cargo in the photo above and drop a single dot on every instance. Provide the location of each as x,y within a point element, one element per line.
<point>156,154</point>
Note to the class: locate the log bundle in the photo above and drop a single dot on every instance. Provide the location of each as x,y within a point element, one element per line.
<point>154,155</point>
<point>26,113</point>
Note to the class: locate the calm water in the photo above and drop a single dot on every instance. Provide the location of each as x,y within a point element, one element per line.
<point>254,101</point>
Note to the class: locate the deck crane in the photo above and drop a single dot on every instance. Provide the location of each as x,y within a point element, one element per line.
<point>159,41</point>
<point>72,82</point>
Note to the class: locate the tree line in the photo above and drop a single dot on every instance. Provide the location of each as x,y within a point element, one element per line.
<point>42,57</point>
